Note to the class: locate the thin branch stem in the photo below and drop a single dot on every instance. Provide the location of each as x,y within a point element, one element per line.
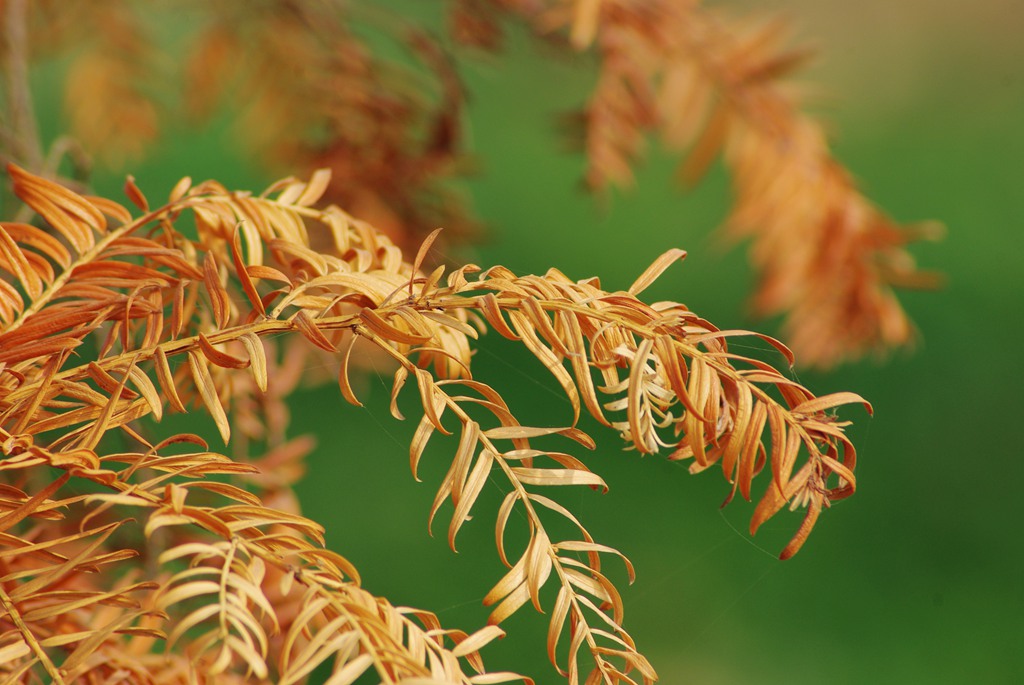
<point>23,132</point>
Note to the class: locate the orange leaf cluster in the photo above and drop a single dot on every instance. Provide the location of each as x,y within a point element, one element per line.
<point>316,95</point>
<point>109,320</point>
<point>239,578</point>
<point>826,257</point>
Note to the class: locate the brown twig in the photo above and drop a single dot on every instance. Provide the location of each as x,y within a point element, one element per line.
<point>23,135</point>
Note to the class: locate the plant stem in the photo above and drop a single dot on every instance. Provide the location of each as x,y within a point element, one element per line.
<point>23,134</point>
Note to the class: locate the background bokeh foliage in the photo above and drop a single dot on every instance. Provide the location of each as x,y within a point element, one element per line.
<point>920,577</point>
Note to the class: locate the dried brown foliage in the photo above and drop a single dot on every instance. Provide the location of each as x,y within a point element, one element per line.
<point>715,87</point>
<point>313,93</point>
<point>133,554</point>
<point>316,95</point>
<point>114,538</point>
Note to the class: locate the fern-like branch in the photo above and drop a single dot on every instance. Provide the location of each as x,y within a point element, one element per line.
<point>827,258</point>
<point>173,320</point>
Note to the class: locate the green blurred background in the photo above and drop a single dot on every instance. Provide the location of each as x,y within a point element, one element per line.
<point>920,576</point>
